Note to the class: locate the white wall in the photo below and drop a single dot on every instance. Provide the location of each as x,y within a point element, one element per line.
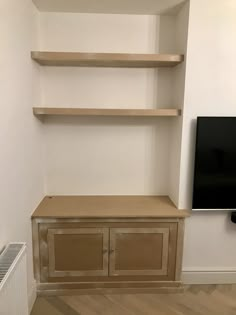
<point>105,155</point>
<point>210,90</point>
<point>21,186</point>
<point>176,42</point>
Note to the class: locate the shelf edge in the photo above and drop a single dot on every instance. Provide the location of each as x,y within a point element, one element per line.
<point>50,58</point>
<point>165,112</point>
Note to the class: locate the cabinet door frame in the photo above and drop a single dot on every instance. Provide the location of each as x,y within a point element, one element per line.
<point>69,273</point>
<point>165,252</point>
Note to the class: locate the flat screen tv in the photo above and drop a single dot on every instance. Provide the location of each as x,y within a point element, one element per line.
<point>214,186</point>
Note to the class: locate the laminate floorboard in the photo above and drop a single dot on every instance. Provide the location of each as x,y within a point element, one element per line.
<point>195,300</point>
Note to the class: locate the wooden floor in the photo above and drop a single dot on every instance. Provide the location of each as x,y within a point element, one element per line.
<point>196,300</point>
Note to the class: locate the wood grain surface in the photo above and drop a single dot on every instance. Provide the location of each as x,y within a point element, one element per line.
<point>108,206</point>
<point>57,111</point>
<point>196,300</point>
<point>85,59</point>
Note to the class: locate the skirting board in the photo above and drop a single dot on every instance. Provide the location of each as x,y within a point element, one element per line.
<point>32,294</point>
<point>209,276</point>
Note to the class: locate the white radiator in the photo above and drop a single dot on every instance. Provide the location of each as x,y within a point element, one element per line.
<point>13,280</point>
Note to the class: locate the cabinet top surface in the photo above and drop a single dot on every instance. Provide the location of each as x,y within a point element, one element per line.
<point>108,207</point>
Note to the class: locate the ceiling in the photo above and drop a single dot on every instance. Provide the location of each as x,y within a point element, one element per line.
<point>111,6</point>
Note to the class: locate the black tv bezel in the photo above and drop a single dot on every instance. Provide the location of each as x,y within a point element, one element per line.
<point>195,152</point>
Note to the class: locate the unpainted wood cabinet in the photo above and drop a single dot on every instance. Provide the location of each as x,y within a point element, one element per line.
<point>108,251</point>
<point>86,244</point>
<point>74,252</point>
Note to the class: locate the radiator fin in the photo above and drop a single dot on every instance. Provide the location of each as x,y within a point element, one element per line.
<point>13,280</point>
<point>7,259</point>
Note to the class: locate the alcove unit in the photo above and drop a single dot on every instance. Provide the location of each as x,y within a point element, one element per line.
<point>111,104</point>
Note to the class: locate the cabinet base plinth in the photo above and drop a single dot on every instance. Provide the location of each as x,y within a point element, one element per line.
<point>144,288</point>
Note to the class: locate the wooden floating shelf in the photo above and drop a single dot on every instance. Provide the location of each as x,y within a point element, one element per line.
<point>108,206</point>
<point>46,111</point>
<point>45,58</point>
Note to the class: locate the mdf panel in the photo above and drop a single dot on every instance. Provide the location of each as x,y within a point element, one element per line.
<point>77,252</point>
<point>139,251</point>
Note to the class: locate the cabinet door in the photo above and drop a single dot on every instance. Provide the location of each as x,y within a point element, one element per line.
<point>139,251</point>
<point>78,252</point>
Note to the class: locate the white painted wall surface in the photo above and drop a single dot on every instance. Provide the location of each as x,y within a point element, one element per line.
<point>210,90</point>
<point>179,45</point>
<point>105,155</point>
<point>21,171</point>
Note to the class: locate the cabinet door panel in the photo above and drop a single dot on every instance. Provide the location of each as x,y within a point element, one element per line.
<point>139,251</point>
<point>78,252</point>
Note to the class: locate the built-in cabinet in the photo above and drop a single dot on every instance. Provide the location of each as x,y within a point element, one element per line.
<point>139,247</point>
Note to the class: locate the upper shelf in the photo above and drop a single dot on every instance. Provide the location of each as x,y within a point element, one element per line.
<point>147,7</point>
<point>43,111</point>
<point>106,59</point>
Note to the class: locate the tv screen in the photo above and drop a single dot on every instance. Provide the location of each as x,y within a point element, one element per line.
<point>215,164</point>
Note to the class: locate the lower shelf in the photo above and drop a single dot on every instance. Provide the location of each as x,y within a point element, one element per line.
<point>46,111</point>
